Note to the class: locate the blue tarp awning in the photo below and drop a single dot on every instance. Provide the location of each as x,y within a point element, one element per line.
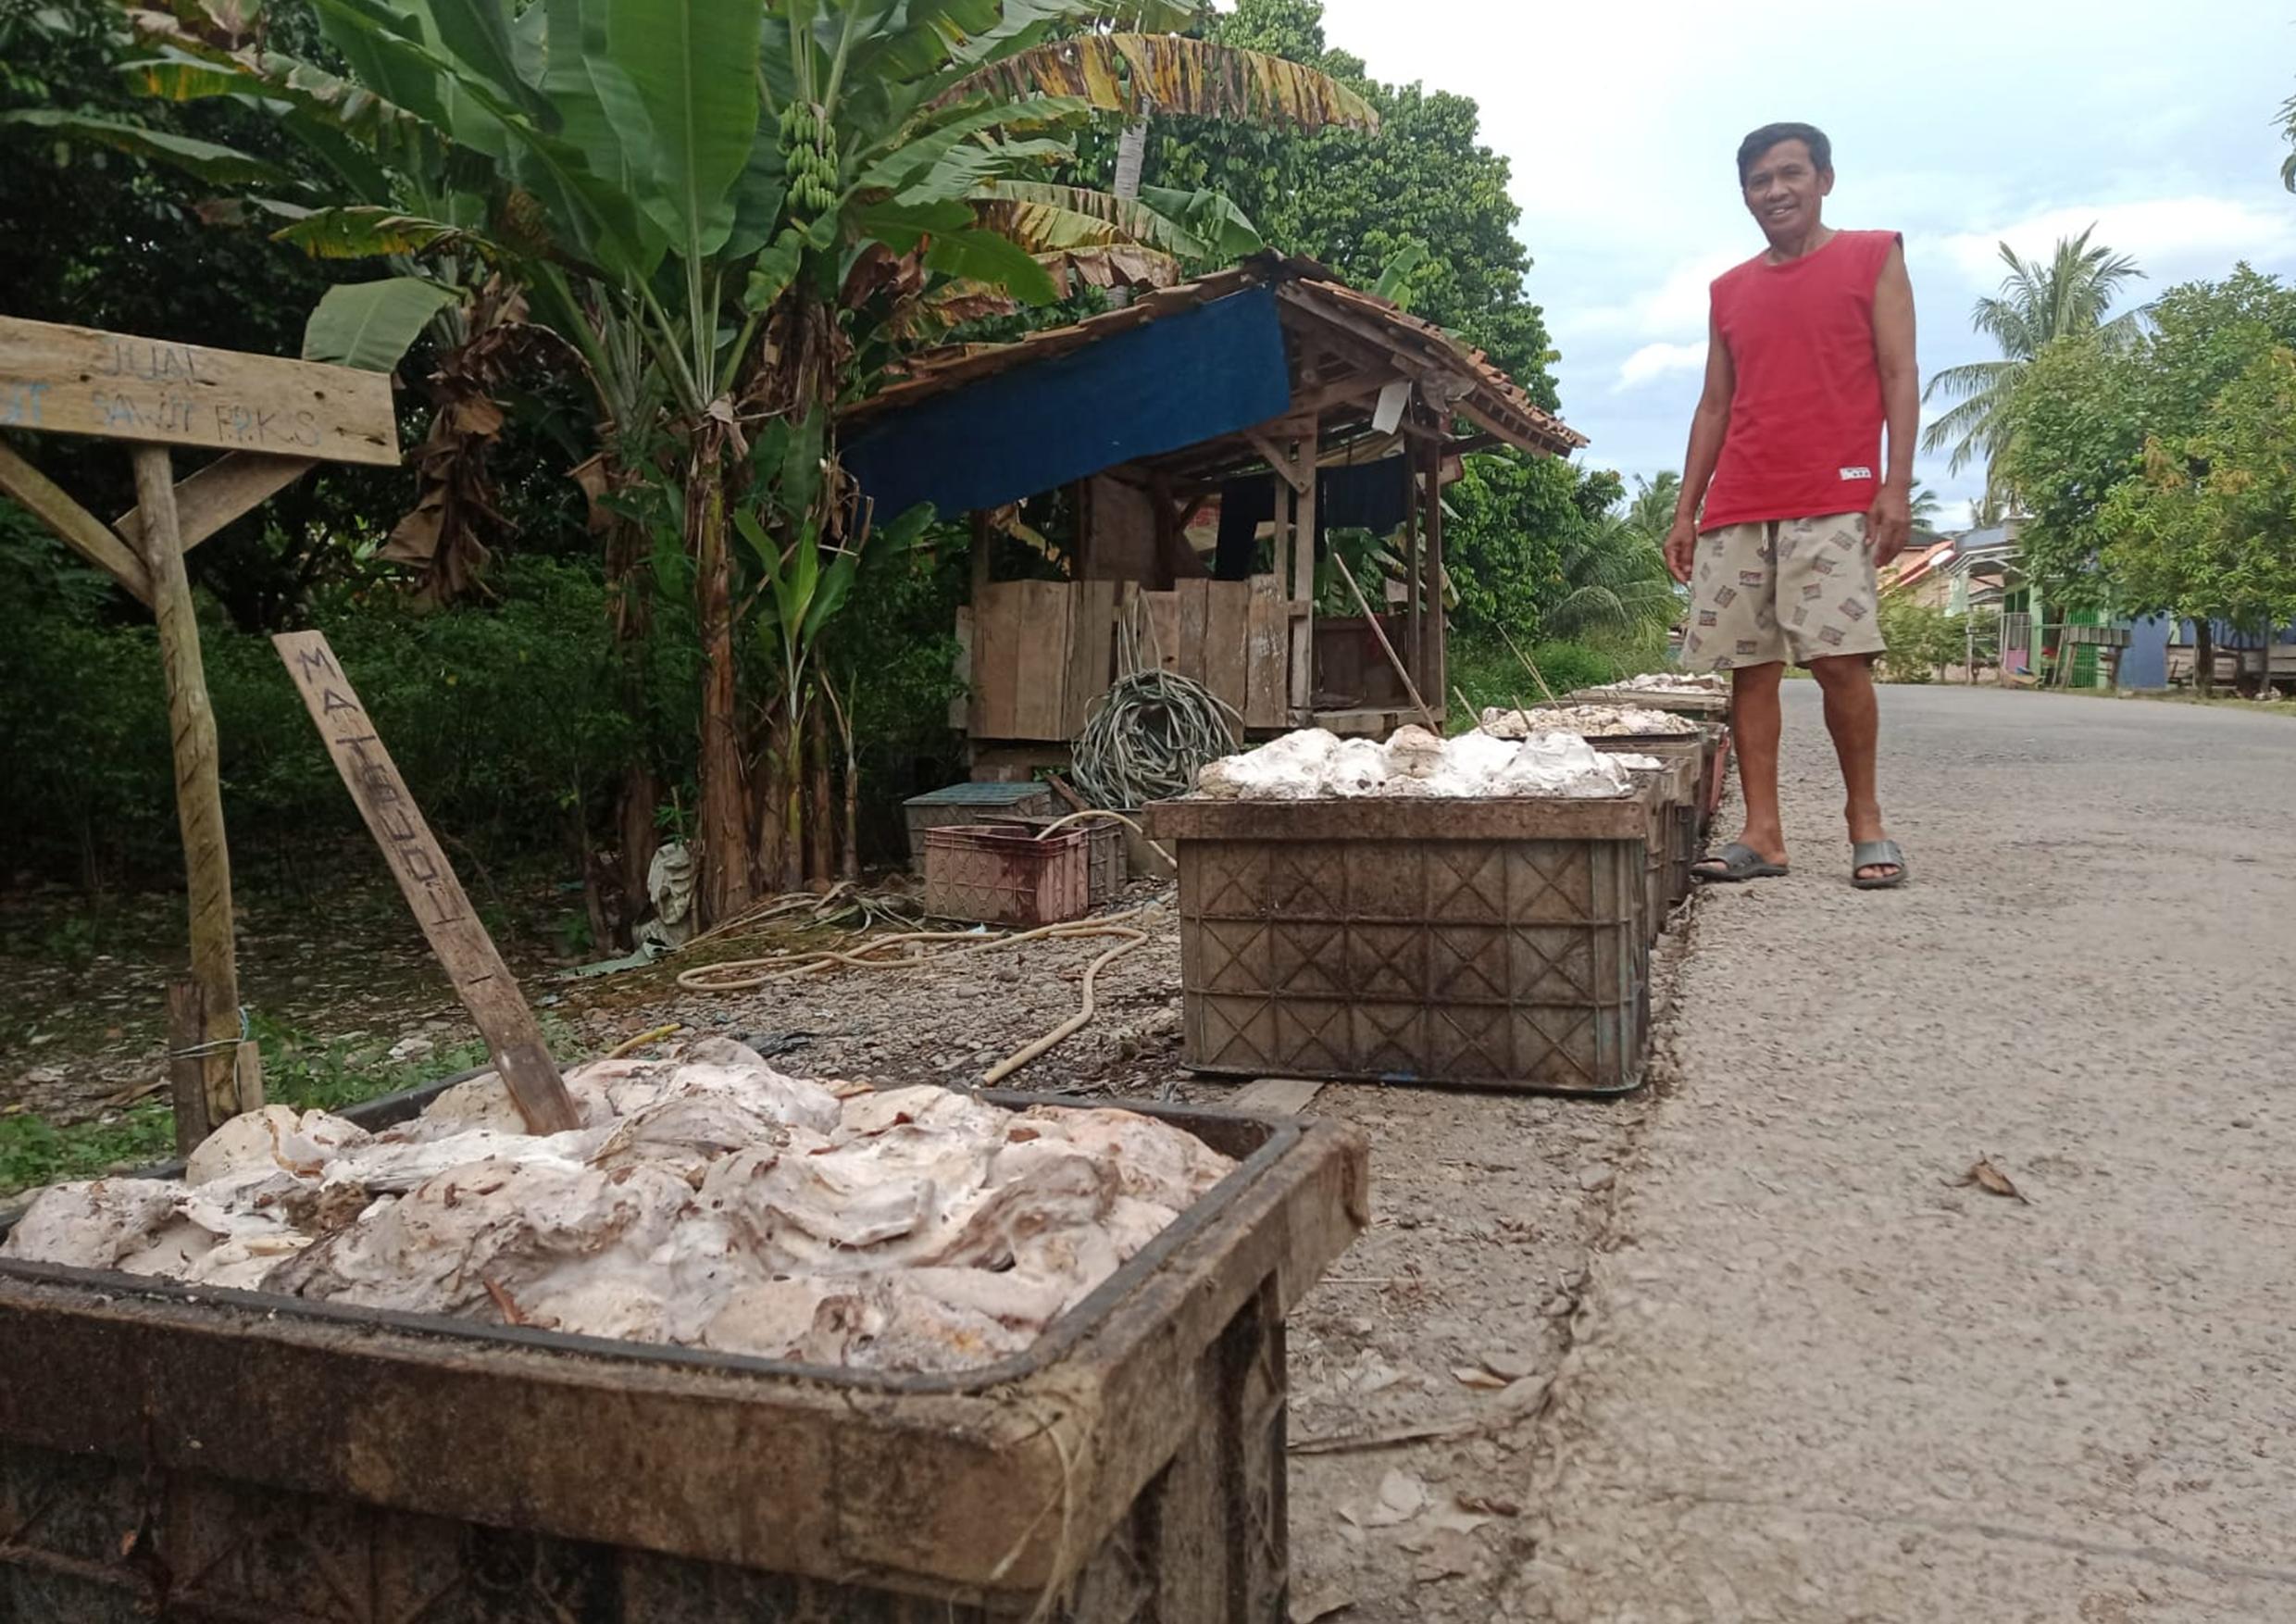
<point>1155,388</point>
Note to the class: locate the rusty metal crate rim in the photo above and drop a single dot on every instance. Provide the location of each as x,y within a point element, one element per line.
<point>1061,1338</point>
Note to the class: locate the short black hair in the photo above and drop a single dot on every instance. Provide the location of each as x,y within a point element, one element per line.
<point>1769,135</point>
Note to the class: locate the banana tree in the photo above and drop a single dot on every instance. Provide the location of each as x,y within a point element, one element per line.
<point>759,201</point>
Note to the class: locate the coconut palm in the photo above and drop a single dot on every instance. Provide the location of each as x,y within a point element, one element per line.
<point>1615,572</point>
<point>1925,507</point>
<point>2037,305</point>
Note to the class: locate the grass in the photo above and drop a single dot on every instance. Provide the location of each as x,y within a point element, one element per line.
<point>1487,673</point>
<point>296,1071</point>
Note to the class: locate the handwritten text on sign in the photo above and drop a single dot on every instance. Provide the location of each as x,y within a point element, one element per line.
<point>77,381</point>
<point>521,1056</point>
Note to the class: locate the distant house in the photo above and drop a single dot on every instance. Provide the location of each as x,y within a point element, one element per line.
<point>1919,574</point>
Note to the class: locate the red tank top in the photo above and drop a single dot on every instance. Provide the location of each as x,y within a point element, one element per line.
<point>1805,438</point>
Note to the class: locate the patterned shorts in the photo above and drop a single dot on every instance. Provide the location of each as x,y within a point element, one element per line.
<point>1791,590</point>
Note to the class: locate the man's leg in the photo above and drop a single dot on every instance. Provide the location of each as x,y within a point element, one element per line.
<point>1754,726</point>
<point>1854,717</point>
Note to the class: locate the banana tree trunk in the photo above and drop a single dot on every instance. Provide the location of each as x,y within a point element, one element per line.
<point>630,604</point>
<point>820,816</point>
<point>724,823</point>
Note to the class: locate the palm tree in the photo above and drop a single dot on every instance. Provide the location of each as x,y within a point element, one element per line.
<point>1925,507</point>
<point>1615,571</point>
<point>2036,306</point>
<point>2288,131</point>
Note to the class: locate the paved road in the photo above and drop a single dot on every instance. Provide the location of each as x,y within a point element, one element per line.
<point>1815,1380</point>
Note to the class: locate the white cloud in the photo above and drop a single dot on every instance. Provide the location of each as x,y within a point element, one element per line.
<point>2170,237</point>
<point>1656,361</point>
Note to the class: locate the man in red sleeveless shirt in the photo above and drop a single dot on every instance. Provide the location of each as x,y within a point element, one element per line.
<point>1811,356</point>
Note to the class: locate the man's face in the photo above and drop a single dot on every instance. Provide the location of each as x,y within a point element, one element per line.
<point>1784,189</point>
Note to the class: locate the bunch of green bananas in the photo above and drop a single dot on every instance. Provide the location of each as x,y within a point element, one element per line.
<point>810,158</point>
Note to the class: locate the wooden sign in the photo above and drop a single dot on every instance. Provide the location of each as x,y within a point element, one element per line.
<point>512,1035</point>
<point>76,380</point>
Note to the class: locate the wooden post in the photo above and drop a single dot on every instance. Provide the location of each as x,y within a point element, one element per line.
<point>1414,643</point>
<point>1304,453</point>
<point>198,796</point>
<point>482,981</point>
<point>187,1028</point>
<point>1438,651</point>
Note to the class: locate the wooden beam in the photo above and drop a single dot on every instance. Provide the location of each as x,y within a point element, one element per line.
<point>482,981</point>
<point>216,494</point>
<point>82,531</point>
<point>198,799</point>
<point>63,379</point>
<point>1283,459</point>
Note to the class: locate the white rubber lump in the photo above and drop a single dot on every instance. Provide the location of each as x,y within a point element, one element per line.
<point>1589,721</point>
<point>707,1202</point>
<point>1313,765</point>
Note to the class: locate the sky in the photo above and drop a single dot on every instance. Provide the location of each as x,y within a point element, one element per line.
<point>1962,123</point>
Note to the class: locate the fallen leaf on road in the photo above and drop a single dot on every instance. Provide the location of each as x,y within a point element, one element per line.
<point>1491,1505</point>
<point>1320,1598</point>
<point>1402,1497</point>
<point>1990,1178</point>
<point>1473,1376</point>
<point>1449,1555</point>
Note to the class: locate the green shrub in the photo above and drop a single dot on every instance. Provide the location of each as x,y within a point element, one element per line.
<point>1921,639</point>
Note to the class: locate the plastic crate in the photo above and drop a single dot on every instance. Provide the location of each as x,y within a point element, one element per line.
<point>1000,875</point>
<point>971,803</point>
<point>1491,943</point>
<point>1105,859</point>
<point>1671,844</point>
<point>1705,749</point>
<point>205,1456</point>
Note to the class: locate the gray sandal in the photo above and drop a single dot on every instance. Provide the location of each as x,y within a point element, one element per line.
<point>1878,854</point>
<point>1733,865</point>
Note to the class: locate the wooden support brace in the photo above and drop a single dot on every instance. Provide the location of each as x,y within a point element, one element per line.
<point>82,531</point>
<point>482,981</point>
<point>1282,459</point>
<point>216,494</point>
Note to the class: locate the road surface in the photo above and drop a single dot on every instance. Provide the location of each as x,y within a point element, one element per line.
<point>1815,1377</point>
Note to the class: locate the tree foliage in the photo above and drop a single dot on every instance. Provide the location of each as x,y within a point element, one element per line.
<point>1354,201</point>
<point>2159,476</point>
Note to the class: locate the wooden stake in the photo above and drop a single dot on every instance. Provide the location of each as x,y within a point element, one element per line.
<point>186,1032</point>
<point>198,795</point>
<point>1395,659</point>
<point>481,979</point>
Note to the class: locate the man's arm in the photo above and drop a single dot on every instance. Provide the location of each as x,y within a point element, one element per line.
<point>1708,429</point>
<point>1891,524</point>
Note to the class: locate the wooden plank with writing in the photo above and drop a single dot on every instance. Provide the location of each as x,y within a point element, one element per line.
<point>481,979</point>
<point>1039,700</point>
<point>1226,633</point>
<point>1195,603</point>
<point>211,497</point>
<point>61,379</point>
<point>1091,651</point>
<point>1268,643</point>
<point>996,659</point>
<point>1164,627</point>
